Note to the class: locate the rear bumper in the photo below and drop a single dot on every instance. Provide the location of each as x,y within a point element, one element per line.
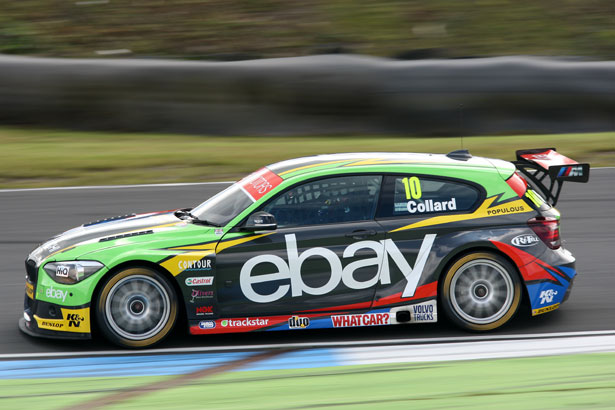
<point>567,294</point>
<point>553,289</point>
<point>547,277</point>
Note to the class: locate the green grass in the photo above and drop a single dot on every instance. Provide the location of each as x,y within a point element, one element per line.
<point>274,28</point>
<point>577,382</point>
<point>40,158</point>
<point>58,393</point>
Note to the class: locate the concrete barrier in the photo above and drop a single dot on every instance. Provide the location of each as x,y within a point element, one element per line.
<point>310,95</point>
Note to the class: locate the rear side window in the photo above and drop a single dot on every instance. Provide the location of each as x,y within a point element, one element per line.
<point>415,195</point>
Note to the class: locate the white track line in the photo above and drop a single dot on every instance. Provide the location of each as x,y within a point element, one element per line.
<point>60,188</point>
<point>499,349</point>
<point>352,343</point>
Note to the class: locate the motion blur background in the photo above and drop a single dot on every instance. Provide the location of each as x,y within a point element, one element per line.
<point>307,76</point>
<point>249,29</point>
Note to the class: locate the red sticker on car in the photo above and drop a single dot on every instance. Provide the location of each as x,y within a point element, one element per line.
<point>547,158</point>
<point>260,183</point>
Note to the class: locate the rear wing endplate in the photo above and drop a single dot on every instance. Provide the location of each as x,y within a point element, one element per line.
<point>539,163</point>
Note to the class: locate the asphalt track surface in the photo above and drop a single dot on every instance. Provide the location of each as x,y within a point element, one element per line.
<point>28,217</point>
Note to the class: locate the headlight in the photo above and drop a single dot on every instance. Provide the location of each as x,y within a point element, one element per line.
<point>72,272</point>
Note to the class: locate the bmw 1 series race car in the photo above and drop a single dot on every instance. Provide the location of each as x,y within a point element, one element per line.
<point>341,240</point>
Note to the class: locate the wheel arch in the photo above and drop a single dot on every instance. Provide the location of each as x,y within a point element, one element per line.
<point>136,263</point>
<point>462,251</point>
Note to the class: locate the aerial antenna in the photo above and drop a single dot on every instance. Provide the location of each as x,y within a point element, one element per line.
<point>461,126</point>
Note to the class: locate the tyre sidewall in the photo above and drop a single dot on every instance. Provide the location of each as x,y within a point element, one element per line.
<point>446,298</point>
<point>103,322</point>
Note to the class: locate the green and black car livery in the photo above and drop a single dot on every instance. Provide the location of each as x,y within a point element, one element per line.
<point>339,240</point>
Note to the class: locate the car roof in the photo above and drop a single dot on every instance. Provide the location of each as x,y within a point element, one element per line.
<point>305,165</point>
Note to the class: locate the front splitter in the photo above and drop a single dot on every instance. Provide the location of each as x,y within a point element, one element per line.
<point>51,335</point>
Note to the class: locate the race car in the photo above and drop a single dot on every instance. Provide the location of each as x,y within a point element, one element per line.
<point>327,241</point>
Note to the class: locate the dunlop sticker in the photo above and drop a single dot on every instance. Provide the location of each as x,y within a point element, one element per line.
<point>544,309</point>
<point>73,320</point>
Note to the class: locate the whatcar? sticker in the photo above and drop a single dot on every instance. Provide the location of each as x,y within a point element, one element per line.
<point>292,269</point>
<point>367,319</point>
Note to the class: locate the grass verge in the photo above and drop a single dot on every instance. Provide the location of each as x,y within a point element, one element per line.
<point>41,158</point>
<point>576,381</point>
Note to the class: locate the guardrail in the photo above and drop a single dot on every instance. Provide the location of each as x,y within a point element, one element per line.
<point>308,95</point>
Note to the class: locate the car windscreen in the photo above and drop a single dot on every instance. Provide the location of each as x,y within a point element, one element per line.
<point>226,205</point>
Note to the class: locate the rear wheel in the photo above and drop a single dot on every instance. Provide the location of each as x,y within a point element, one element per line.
<point>136,307</point>
<point>481,291</point>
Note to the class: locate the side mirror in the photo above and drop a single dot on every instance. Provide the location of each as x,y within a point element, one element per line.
<point>260,221</point>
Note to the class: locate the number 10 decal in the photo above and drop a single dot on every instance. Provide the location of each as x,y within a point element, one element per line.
<point>413,188</point>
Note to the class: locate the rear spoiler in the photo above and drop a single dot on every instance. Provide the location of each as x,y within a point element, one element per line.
<point>536,164</point>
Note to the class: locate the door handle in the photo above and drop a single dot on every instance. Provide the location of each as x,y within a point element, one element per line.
<point>361,234</point>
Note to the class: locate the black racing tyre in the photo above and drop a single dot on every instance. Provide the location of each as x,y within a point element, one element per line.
<point>480,291</point>
<point>136,307</point>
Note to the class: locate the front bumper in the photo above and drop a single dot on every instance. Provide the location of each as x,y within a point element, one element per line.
<point>48,320</point>
<point>34,331</point>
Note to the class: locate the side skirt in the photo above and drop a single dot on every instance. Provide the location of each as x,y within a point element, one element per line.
<point>424,312</point>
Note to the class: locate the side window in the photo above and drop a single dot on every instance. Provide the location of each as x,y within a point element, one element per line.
<point>325,201</point>
<point>413,195</point>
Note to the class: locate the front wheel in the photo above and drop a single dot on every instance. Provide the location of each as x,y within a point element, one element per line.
<point>481,291</point>
<point>136,307</point>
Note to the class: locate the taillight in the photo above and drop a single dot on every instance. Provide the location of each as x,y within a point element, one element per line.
<point>547,229</point>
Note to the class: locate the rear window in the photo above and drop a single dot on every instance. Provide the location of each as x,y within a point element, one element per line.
<point>414,195</point>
